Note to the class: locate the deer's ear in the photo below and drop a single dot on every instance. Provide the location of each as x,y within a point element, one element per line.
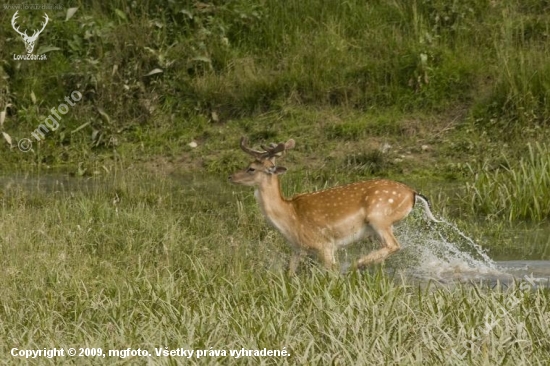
<point>290,144</point>
<point>276,170</point>
<point>279,170</point>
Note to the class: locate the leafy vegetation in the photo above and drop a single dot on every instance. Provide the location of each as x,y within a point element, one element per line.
<point>155,65</point>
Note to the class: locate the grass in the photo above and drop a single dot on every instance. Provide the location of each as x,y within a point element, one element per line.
<point>164,267</point>
<point>514,190</point>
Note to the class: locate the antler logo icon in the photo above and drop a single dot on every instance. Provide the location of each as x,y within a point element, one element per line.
<point>29,40</point>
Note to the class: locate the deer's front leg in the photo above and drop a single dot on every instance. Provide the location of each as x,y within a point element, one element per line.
<point>295,260</point>
<point>327,257</point>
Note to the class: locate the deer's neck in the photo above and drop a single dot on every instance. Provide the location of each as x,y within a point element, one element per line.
<point>277,210</point>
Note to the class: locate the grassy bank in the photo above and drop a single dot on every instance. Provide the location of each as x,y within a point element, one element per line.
<point>443,84</point>
<point>237,58</point>
<point>162,267</point>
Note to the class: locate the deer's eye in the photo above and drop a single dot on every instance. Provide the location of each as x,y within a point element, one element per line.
<point>250,170</point>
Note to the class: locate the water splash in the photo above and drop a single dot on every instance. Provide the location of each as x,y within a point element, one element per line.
<point>442,252</point>
<point>476,247</point>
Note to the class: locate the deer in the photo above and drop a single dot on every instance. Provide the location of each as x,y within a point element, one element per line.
<point>29,40</point>
<point>326,220</point>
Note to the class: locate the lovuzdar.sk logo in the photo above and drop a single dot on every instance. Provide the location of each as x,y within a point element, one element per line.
<point>30,41</point>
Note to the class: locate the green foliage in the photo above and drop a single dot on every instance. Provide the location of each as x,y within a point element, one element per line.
<point>346,131</point>
<point>520,90</point>
<point>514,190</point>
<point>367,163</point>
<point>240,58</point>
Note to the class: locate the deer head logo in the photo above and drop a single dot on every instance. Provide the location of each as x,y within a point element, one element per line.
<point>29,40</point>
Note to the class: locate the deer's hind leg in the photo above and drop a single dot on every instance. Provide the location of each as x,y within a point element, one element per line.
<point>389,245</point>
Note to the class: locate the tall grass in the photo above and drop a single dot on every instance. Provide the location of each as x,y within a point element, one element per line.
<point>164,266</point>
<point>358,54</point>
<point>515,190</point>
<point>519,96</point>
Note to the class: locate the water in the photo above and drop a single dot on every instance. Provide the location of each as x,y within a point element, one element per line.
<point>442,253</point>
<point>532,272</point>
<point>48,183</point>
<point>438,252</point>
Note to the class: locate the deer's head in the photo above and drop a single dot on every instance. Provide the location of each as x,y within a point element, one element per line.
<point>263,166</point>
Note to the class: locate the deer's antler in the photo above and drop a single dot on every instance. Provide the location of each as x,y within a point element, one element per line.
<point>269,152</point>
<point>255,153</point>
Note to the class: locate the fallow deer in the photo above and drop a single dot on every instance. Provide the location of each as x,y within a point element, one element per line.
<point>326,220</point>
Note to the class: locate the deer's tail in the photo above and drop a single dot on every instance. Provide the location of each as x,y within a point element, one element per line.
<point>427,207</point>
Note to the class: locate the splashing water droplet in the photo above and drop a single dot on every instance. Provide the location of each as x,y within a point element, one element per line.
<point>442,252</point>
